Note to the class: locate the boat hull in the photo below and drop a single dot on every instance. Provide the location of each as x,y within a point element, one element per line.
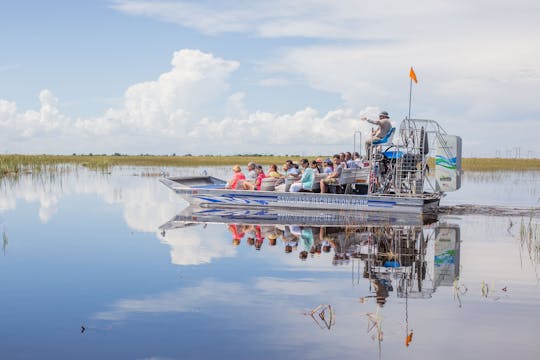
<point>197,215</point>
<point>210,192</point>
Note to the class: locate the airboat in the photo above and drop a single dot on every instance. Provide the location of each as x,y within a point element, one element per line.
<point>408,175</point>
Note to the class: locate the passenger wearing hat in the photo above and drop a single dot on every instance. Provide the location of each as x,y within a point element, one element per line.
<point>383,128</point>
<point>328,166</point>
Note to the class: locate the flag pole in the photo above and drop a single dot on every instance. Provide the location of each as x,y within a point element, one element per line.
<point>410,95</point>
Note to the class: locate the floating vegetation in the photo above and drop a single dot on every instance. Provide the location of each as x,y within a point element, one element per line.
<point>375,322</point>
<point>529,238</point>
<point>325,315</point>
<point>459,290</point>
<point>4,241</point>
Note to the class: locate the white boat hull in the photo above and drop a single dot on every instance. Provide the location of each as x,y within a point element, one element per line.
<point>210,192</point>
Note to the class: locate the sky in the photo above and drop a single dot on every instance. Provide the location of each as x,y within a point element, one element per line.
<point>264,77</point>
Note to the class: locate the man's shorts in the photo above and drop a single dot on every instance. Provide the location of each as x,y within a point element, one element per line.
<point>330,181</point>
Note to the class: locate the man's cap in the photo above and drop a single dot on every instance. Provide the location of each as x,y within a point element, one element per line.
<point>383,113</point>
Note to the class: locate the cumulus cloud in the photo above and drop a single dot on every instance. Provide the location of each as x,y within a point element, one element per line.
<point>167,105</point>
<point>174,109</point>
<point>47,121</point>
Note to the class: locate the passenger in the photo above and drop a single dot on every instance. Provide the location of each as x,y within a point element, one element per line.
<point>308,176</point>
<point>306,242</point>
<point>350,161</point>
<point>258,181</point>
<point>272,172</point>
<point>384,126</point>
<point>237,177</point>
<point>237,235</point>
<point>358,160</point>
<point>333,177</point>
<point>319,165</point>
<point>328,167</point>
<point>292,174</point>
<point>259,239</point>
<point>343,159</point>
<point>272,238</point>
<point>252,173</point>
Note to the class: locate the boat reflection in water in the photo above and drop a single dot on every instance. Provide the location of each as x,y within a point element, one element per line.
<point>409,256</point>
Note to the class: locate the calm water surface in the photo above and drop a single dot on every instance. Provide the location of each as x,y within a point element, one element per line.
<point>86,272</point>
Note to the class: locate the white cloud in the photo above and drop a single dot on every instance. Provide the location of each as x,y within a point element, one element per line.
<point>470,68</point>
<point>476,61</point>
<point>173,109</point>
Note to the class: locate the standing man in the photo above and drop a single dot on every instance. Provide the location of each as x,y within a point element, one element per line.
<point>384,126</point>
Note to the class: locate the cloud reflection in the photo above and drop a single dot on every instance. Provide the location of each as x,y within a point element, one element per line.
<point>193,247</point>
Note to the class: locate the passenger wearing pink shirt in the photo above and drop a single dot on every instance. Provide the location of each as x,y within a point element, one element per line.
<point>260,176</point>
<point>238,176</point>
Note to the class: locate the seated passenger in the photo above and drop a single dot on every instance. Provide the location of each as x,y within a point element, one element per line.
<point>238,176</point>
<point>328,167</point>
<point>272,172</point>
<point>292,174</point>
<point>252,173</point>
<point>319,165</point>
<point>257,184</point>
<point>292,170</point>
<point>343,160</point>
<point>308,175</point>
<point>351,164</point>
<point>332,178</point>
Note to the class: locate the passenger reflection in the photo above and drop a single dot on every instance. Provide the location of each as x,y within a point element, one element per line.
<point>306,242</point>
<point>382,288</point>
<point>237,234</point>
<point>290,238</point>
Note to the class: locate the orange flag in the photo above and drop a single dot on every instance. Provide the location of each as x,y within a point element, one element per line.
<point>413,76</point>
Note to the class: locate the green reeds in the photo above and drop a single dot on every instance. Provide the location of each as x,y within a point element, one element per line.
<point>499,164</point>
<point>12,164</point>
<point>4,241</point>
<point>529,236</point>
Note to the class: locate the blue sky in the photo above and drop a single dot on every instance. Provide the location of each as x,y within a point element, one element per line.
<point>227,77</point>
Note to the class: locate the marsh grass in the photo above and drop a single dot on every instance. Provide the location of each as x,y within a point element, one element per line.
<point>499,164</point>
<point>4,241</point>
<point>529,236</point>
<point>16,164</point>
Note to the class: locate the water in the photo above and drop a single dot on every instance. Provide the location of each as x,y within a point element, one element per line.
<point>86,272</point>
